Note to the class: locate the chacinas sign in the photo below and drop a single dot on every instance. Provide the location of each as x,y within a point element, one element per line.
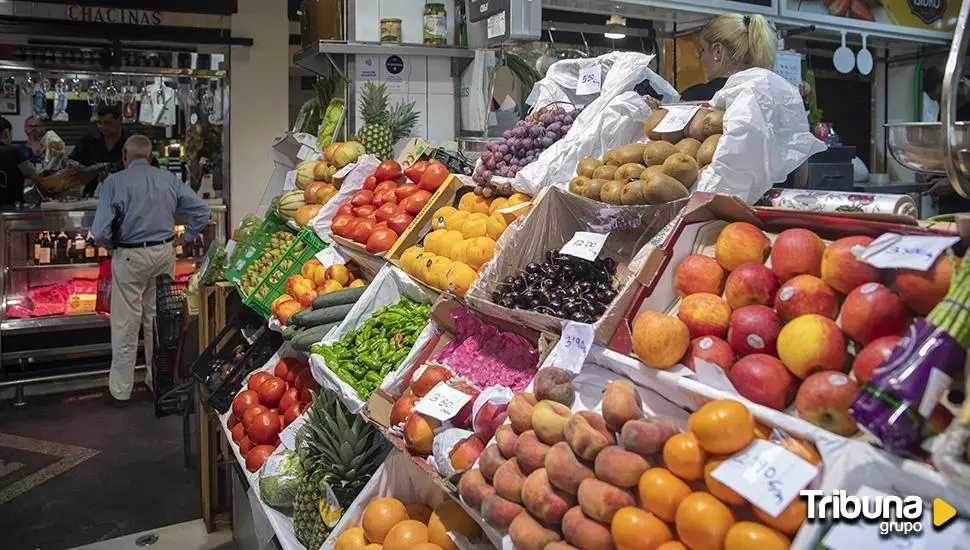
<point>90,14</point>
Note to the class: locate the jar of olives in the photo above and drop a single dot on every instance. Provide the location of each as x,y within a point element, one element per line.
<point>435,24</point>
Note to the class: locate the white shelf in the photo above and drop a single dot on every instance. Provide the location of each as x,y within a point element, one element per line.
<point>316,57</point>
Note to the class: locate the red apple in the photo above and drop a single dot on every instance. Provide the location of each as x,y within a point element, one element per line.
<point>797,252</point>
<point>490,416</point>
<point>754,329</point>
<point>871,311</point>
<point>810,343</point>
<point>922,290</point>
<point>402,408</point>
<point>465,453</point>
<point>764,380</point>
<point>705,315</point>
<point>711,349</point>
<point>427,377</point>
<point>840,267</point>
<point>873,355</point>
<point>740,242</point>
<point>804,294</point>
<point>699,273</point>
<point>751,284</point>
<point>463,419</point>
<point>824,399</point>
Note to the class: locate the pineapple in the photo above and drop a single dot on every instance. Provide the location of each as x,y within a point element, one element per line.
<point>339,450</point>
<point>383,126</point>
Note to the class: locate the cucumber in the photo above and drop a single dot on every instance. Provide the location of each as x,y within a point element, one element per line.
<point>310,336</point>
<point>292,331</point>
<point>326,315</point>
<point>297,318</point>
<point>338,298</point>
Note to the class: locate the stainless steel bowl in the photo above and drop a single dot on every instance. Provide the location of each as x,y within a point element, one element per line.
<point>919,145</point>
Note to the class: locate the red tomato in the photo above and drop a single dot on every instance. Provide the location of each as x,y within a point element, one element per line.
<point>362,230</point>
<point>365,211</point>
<point>370,182</point>
<point>343,226</point>
<point>291,396</point>
<point>257,379</point>
<point>362,197</point>
<point>238,432</point>
<point>245,445</point>
<point>413,204</point>
<point>434,175</point>
<point>286,365</point>
<point>303,380</point>
<point>271,391</point>
<point>251,413</point>
<point>399,221</point>
<point>231,423</point>
<point>291,414</point>
<point>405,191</point>
<point>346,209</point>
<point>257,456</point>
<point>381,240</point>
<point>388,170</point>
<point>385,186</point>
<point>387,210</point>
<point>414,171</point>
<point>243,401</point>
<point>384,198</point>
<point>380,225</point>
<point>265,428</point>
<point>305,396</point>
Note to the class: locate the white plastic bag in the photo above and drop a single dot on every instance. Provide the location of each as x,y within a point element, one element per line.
<point>766,135</point>
<point>353,182</point>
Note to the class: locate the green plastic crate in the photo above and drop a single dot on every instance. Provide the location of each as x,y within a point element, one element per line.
<point>245,257</point>
<point>273,284</point>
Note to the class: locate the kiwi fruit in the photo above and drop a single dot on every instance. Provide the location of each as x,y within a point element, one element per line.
<point>577,184</point>
<point>592,189</point>
<point>587,165</point>
<point>688,146</point>
<point>612,192</point>
<point>610,157</point>
<point>629,153</point>
<point>714,123</point>
<point>656,152</point>
<point>605,172</point>
<point>656,169</point>
<point>682,167</point>
<point>695,128</point>
<point>652,121</point>
<point>672,137</point>
<point>661,188</point>
<point>629,171</point>
<point>634,193</point>
<point>706,152</point>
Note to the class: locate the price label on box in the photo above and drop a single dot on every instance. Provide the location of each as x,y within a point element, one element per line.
<point>288,435</point>
<point>330,256</point>
<point>892,251</point>
<point>289,183</point>
<point>768,476</point>
<point>590,80</point>
<point>585,245</point>
<point>574,345</point>
<point>677,118</point>
<point>442,402</point>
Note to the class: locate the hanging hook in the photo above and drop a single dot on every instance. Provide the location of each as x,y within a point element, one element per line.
<point>549,31</point>
<point>585,43</point>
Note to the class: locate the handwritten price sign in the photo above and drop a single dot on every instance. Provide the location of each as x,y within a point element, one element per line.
<point>892,251</point>
<point>330,256</point>
<point>574,345</point>
<point>589,80</point>
<point>767,475</point>
<point>676,118</point>
<point>585,245</point>
<point>442,402</point>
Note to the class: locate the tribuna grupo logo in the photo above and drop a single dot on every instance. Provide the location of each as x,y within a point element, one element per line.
<point>894,514</point>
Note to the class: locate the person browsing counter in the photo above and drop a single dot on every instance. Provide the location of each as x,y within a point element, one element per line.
<point>729,44</point>
<point>136,218</point>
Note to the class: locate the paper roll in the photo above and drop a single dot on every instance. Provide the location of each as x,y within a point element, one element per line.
<point>839,201</point>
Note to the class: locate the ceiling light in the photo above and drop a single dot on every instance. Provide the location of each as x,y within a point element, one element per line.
<point>615,28</point>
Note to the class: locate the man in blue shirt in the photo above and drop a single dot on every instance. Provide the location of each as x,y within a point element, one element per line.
<point>136,218</point>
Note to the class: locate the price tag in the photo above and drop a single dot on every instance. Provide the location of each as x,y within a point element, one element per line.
<point>495,26</point>
<point>442,402</point>
<point>590,81</point>
<point>306,152</point>
<point>767,475</point>
<point>585,245</point>
<point>574,345</point>
<point>330,256</point>
<point>905,251</point>
<point>788,65</point>
<point>677,118</point>
<point>289,183</point>
<point>288,435</point>
<point>342,173</point>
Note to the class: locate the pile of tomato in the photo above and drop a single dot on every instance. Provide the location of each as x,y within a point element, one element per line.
<point>390,198</point>
<point>269,403</point>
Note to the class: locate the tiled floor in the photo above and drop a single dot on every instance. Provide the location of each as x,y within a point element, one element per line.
<point>190,535</point>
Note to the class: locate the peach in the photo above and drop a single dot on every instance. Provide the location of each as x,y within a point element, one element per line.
<point>740,242</point>
<point>601,500</point>
<point>619,467</point>
<point>520,411</point>
<point>466,452</point>
<point>473,488</point>
<point>872,311</point>
<point>529,534</point>
<point>922,290</point>
<point>545,502</point>
<point>621,403</point>
<point>811,342</point>
<point>804,294</point>
<point>712,349</point>
<point>797,252</point>
<point>505,438</point>
<point>530,453</point>
<point>490,460</point>
<point>402,408</point>
<point>560,546</point>
<point>840,268</point>
<point>751,284</point>
<point>419,433</point>
<point>508,480</point>
<point>824,399</point>
<point>548,420</point>
<point>587,434</point>
<point>705,315</point>
<point>500,512</point>
<point>699,273</point>
<point>555,384</point>
<point>585,533</point>
<point>659,340</point>
<point>565,471</point>
<point>647,436</point>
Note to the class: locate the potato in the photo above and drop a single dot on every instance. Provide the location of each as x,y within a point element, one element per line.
<point>586,167</point>
<point>705,154</point>
<point>661,188</point>
<point>628,171</point>
<point>652,121</point>
<point>605,172</point>
<point>688,146</point>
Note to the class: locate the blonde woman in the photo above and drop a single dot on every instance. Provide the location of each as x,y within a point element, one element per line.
<point>729,44</point>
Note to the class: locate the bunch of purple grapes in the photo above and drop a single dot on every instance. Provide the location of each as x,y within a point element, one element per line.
<point>520,146</point>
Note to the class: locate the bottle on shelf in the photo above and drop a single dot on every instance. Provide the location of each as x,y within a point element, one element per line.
<point>102,253</point>
<point>46,250</point>
<point>179,249</point>
<point>63,248</point>
<point>89,250</point>
<point>37,240</point>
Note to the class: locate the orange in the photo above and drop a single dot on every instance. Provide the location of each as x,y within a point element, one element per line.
<point>661,492</point>
<point>789,521</point>
<point>406,535</point>
<point>684,456</point>
<point>748,534</point>
<point>479,251</point>
<point>800,447</point>
<point>446,242</point>
<point>380,516</point>
<point>450,516</point>
<point>497,204</point>
<point>459,278</point>
<point>722,426</point>
<point>441,215</point>
<point>426,546</point>
<point>672,545</point>
<point>636,529</point>
<point>373,547</point>
<point>408,257</point>
<point>719,489</point>
<point>418,512</point>
<point>351,539</point>
<point>702,521</point>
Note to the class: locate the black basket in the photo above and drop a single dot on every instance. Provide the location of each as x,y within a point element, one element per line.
<point>169,303</point>
<point>166,351</point>
<point>244,345</point>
